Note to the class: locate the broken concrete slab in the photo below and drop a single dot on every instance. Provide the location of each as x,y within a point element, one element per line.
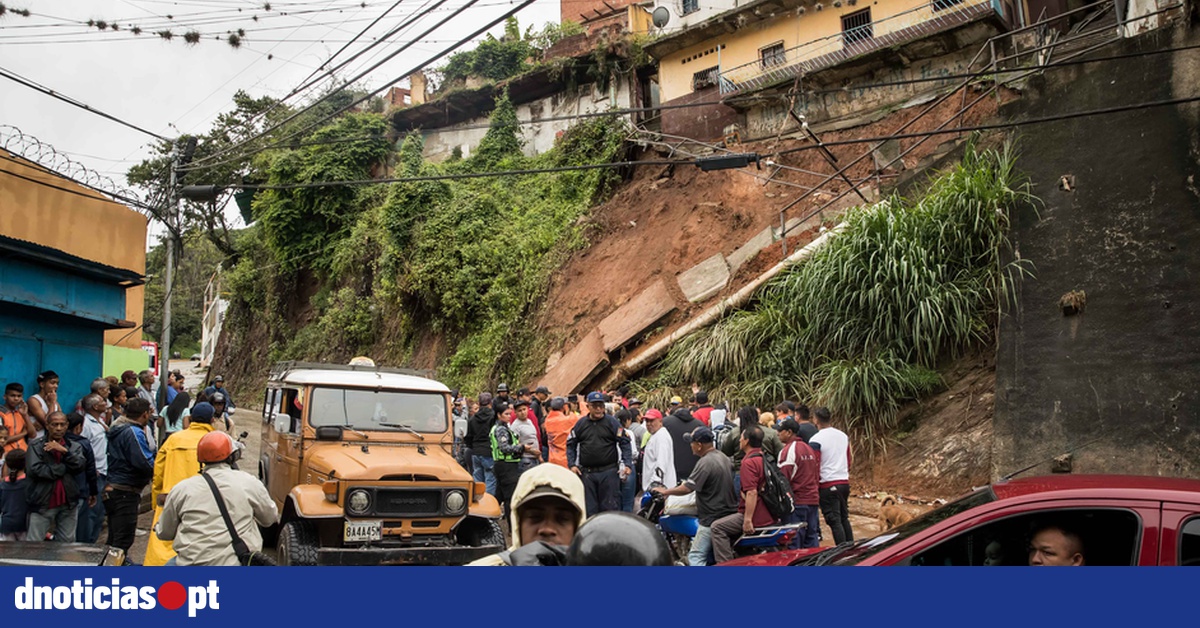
<point>747,251</point>
<point>704,279</point>
<point>636,315</point>
<point>580,364</point>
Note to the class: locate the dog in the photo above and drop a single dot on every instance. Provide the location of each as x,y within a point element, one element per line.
<point>892,515</point>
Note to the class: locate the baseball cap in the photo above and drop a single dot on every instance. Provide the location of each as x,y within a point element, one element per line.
<point>542,390</point>
<point>699,435</point>
<point>523,391</point>
<point>218,379</point>
<point>595,397</point>
<point>653,415</point>
<point>635,402</point>
<point>521,403</point>
<point>203,410</point>
<point>676,400</point>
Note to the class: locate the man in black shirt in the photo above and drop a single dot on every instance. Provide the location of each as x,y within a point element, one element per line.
<point>807,428</point>
<point>598,450</point>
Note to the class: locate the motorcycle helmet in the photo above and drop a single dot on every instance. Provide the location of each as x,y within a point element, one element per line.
<point>215,447</point>
<point>618,539</point>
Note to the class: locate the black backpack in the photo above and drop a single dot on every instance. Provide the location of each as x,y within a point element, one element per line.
<point>776,491</point>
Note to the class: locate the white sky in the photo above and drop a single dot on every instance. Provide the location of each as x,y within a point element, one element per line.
<point>172,87</point>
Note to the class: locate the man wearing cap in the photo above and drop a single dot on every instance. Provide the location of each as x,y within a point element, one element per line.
<point>218,385</point>
<point>547,509</point>
<point>658,457</point>
<point>501,398</point>
<point>712,481</point>
<point>598,450</point>
<point>175,462</point>
<point>558,427</point>
<point>538,404</point>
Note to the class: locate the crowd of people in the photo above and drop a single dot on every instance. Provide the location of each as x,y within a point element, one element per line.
<point>617,449</point>
<point>69,471</point>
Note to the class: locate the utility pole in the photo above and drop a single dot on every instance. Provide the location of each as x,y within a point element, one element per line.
<point>172,220</point>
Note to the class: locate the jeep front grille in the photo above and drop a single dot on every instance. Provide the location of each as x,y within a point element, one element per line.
<point>408,502</point>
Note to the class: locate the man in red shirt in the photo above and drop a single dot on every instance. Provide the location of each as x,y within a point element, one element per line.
<point>752,512</point>
<point>704,412</point>
<point>801,465</point>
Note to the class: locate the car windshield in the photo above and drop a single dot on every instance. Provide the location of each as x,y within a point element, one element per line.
<point>384,410</point>
<point>853,553</point>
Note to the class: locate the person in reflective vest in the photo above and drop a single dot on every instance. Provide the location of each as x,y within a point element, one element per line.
<point>506,452</point>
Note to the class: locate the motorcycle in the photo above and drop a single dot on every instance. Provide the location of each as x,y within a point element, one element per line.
<point>680,527</point>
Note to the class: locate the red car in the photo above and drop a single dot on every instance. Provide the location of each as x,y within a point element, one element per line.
<point>1122,521</point>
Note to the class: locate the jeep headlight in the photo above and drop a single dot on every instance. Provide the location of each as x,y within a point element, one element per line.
<point>358,501</point>
<point>456,502</point>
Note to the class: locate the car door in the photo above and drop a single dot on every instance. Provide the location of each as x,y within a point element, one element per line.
<point>1180,535</point>
<point>1130,532</point>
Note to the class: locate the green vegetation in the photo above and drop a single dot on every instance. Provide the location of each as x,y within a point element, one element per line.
<point>197,263</point>
<point>862,325</point>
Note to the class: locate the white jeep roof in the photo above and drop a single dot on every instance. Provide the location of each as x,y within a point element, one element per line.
<point>361,379</point>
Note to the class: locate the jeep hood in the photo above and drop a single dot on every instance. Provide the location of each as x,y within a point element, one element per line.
<point>349,462</point>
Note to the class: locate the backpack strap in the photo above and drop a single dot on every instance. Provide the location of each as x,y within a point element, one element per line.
<point>239,546</point>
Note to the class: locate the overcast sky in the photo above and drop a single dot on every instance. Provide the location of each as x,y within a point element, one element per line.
<point>172,88</point>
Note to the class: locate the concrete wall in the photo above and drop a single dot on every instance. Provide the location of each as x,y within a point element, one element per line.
<point>85,224</point>
<point>845,103</point>
<point>743,46</point>
<point>707,9</point>
<point>1125,370</point>
<point>539,138</point>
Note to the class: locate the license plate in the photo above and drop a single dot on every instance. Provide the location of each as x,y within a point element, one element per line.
<point>357,531</point>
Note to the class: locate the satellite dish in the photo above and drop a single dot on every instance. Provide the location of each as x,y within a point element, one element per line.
<point>660,17</point>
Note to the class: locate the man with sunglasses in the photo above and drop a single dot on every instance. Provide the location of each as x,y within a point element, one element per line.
<point>598,450</point>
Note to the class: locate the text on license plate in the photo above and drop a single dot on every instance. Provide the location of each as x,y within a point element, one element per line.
<point>364,531</point>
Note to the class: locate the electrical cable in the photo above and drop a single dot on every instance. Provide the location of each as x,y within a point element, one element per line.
<point>12,76</point>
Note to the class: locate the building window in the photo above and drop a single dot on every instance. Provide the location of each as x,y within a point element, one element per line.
<point>705,78</point>
<point>856,27</point>
<point>941,5</point>
<point>689,6</point>
<point>772,55</point>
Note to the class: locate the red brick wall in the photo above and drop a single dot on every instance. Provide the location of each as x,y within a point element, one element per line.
<point>705,123</point>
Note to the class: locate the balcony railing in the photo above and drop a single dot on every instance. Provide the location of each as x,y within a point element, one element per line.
<point>911,25</point>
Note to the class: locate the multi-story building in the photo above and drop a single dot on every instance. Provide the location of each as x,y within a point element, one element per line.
<point>214,316</point>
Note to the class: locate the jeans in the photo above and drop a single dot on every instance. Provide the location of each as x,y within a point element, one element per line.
<point>837,513</point>
<point>629,492</point>
<point>481,470</point>
<point>602,491</point>
<point>90,520</point>
<point>122,507</point>
<point>64,519</point>
<point>809,536</point>
<point>701,547</point>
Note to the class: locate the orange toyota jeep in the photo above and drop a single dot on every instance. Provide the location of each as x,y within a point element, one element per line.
<point>358,460</point>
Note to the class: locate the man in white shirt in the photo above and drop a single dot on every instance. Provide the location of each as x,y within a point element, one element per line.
<point>91,519</point>
<point>658,458</point>
<point>834,487</point>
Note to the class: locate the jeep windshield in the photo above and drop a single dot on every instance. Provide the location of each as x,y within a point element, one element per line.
<point>858,551</point>
<point>379,411</point>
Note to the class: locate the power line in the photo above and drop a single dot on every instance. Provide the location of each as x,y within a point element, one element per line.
<point>12,76</point>
<point>624,164</point>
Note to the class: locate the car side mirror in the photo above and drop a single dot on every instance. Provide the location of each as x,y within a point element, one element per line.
<point>329,432</point>
<point>283,423</point>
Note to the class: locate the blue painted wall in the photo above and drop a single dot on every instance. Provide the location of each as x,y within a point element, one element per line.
<point>31,342</point>
<point>55,290</point>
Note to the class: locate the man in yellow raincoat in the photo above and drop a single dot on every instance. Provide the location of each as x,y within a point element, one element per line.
<point>547,506</point>
<point>176,461</point>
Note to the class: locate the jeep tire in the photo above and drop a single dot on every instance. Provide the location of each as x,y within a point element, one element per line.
<point>477,532</point>
<point>297,544</point>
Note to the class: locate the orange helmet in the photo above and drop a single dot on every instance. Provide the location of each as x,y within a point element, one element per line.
<point>214,447</point>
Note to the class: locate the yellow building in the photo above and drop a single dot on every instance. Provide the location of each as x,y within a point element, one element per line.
<point>767,44</point>
<point>75,270</point>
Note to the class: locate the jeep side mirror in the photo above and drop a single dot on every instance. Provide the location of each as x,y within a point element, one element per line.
<point>283,423</point>
<point>329,432</point>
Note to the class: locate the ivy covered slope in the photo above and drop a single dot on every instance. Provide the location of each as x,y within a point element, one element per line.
<point>464,261</point>
<point>863,324</point>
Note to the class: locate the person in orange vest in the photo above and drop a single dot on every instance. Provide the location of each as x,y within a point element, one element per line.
<point>558,426</point>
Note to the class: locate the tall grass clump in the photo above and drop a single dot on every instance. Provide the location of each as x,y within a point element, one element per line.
<point>862,325</point>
